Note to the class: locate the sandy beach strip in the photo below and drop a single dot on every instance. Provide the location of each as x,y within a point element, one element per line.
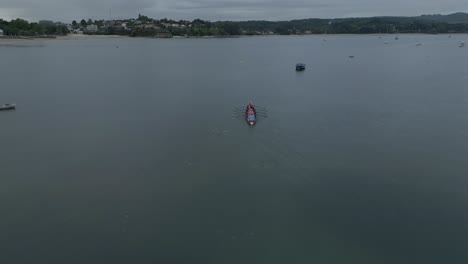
<point>86,37</point>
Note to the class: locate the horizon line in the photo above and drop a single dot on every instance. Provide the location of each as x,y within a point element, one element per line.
<point>245,20</point>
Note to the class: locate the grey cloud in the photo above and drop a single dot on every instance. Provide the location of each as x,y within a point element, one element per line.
<point>271,4</point>
<point>67,10</point>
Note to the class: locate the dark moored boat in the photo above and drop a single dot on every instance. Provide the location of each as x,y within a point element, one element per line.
<point>250,114</point>
<point>7,107</point>
<point>300,67</point>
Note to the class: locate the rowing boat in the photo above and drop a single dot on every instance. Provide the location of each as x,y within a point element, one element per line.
<point>250,114</point>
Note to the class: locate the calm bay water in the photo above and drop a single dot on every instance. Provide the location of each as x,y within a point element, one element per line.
<point>132,154</point>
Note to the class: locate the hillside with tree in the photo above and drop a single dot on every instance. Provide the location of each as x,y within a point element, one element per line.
<point>144,26</point>
<point>21,27</point>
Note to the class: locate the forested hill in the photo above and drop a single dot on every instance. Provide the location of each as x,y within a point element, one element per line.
<point>451,19</point>
<point>453,23</point>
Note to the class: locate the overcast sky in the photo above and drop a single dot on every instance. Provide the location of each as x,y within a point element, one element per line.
<point>68,10</point>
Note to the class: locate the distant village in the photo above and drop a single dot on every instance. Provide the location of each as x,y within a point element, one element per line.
<point>145,26</point>
<point>134,27</point>
<point>124,25</point>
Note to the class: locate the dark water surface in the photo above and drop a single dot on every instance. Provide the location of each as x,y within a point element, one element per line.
<point>131,154</point>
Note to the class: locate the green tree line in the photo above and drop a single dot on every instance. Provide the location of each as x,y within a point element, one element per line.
<point>206,28</point>
<point>312,26</point>
<point>354,26</point>
<point>21,27</point>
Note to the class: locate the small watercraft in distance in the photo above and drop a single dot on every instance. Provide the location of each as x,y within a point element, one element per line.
<point>8,107</point>
<point>300,67</point>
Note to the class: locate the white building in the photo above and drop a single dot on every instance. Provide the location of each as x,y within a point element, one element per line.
<point>1,32</point>
<point>92,28</point>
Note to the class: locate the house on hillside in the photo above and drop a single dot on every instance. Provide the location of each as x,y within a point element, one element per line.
<point>152,26</point>
<point>91,28</point>
<point>1,32</point>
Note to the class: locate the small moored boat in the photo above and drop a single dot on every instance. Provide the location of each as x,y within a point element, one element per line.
<point>7,107</point>
<point>250,114</point>
<point>300,67</point>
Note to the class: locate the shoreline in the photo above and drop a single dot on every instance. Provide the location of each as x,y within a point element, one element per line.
<point>91,37</point>
<point>86,37</point>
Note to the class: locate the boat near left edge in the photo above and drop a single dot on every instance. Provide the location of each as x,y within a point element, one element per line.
<point>8,107</point>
